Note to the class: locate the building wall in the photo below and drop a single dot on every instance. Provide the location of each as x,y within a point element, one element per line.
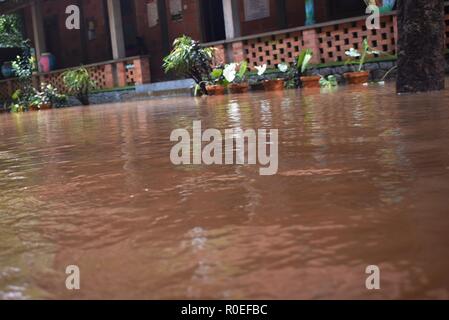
<point>72,47</point>
<point>295,15</point>
<point>189,25</point>
<point>99,48</point>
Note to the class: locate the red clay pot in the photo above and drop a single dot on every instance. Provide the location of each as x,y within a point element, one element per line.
<point>274,85</point>
<point>215,90</point>
<point>357,77</point>
<point>43,107</point>
<point>311,81</point>
<point>238,87</point>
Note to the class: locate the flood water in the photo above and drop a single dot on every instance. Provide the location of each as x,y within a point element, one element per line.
<point>363,180</point>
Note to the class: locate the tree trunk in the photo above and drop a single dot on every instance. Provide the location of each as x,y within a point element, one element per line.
<point>421,45</point>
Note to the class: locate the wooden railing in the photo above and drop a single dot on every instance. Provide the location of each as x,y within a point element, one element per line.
<point>107,75</point>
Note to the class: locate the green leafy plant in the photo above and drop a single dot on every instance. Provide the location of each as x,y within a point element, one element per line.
<point>216,77</point>
<point>303,61</point>
<point>23,67</point>
<point>10,31</point>
<point>299,69</point>
<point>48,96</point>
<point>328,82</point>
<point>189,59</point>
<point>79,83</point>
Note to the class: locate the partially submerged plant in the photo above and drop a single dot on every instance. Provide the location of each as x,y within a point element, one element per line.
<point>189,59</point>
<point>79,83</point>
<point>216,78</point>
<point>48,96</point>
<point>328,82</point>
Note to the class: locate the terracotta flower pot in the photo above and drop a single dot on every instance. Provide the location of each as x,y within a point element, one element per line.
<point>46,107</point>
<point>258,86</point>
<point>239,87</point>
<point>215,90</point>
<point>42,107</point>
<point>311,81</point>
<point>357,77</point>
<point>274,85</point>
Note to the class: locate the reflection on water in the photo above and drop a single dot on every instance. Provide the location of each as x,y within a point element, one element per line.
<point>363,179</point>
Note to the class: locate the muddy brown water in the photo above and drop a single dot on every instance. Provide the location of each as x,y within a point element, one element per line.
<point>363,180</point>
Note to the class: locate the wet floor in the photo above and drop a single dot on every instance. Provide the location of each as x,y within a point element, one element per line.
<point>363,180</point>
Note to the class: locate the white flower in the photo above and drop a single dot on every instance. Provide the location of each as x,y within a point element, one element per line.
<point>375,52</point>
<point>353,53</point>
<point>283,67</point>
<point>230,72</point>
<point>261,69</point>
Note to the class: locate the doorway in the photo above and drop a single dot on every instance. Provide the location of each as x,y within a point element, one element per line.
<point>129,27</point>
<point>213,20</point>
<point>345,8</point>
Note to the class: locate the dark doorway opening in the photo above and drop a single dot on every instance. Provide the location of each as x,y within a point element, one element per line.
<point>346,8</point>
<point>53,39</point>
<point>129,28</point>
<point>213,20</point>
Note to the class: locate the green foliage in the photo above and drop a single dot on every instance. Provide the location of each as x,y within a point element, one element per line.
<point>299,69</point>
<point>10,31</point>
<point>243,70</point>
<point>79,83</point>
<point>329,82</point>
<point>48,96</point>
<point>303,61</point>
<point>188,58</point>
<point>23,68</point>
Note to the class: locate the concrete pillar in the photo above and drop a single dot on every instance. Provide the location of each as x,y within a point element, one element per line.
<point>116,29</point>
<point>231,18</point>
<point>38,28</point>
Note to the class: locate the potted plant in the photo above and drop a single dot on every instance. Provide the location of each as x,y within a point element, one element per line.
<point>277,84</point>
<point>235,74</point>
<point>48,97</point>
<point>216,86</point>
<point>355,57</point>
<point>79,83</point>
<point>302,65</point>
<point>189,59</point>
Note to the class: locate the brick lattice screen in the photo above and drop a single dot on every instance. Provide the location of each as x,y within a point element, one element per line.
<point>97,73</point>
<point>335,40</point>
<point>331,42</point>
<point>273,50</point>
<point>137,71</point>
